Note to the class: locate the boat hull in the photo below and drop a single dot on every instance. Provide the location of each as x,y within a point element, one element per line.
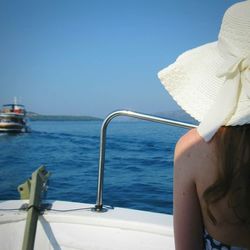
<point>12,123</point>
<point>72,225</point>
<point>12,127</point>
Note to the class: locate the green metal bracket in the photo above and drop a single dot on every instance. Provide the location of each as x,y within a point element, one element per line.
<point>32,190</point>
<point>24,190</point>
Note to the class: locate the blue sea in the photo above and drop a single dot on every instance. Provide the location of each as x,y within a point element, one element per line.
<point>138,166</point>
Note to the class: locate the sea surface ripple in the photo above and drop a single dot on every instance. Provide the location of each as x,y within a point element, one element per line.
<point>138,166</point>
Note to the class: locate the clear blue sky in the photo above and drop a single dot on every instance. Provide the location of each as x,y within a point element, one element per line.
<point>90,57</point>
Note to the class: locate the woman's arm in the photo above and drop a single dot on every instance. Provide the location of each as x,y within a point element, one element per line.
<point>188,225</point>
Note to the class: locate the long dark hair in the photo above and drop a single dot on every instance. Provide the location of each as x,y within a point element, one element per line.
<point>233,177</point>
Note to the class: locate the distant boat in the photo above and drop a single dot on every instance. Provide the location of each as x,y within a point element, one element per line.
<point>13,118</point>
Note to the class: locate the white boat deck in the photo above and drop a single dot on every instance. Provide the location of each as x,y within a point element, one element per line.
<point>75,226</point>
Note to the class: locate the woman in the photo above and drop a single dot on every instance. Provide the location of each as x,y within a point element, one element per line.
<point>212,162</point>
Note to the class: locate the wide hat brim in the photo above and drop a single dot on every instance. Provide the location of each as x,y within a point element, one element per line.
<point>193,83</point>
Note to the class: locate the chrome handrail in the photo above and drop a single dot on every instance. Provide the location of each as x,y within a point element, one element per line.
<point>99,200</point>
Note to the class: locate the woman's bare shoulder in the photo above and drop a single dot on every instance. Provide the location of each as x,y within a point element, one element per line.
<point>190,142</point>
<point>191,150</point>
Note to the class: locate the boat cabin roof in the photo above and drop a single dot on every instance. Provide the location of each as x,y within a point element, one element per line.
<point>10,105</point>
<point>13,108</point>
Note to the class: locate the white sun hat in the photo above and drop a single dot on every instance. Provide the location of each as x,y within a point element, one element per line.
<point>212,82</point>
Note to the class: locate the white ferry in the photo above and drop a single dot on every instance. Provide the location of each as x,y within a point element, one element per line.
<point>13,118</point>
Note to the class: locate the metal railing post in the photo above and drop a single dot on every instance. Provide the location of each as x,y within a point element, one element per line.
<point>99,199</point>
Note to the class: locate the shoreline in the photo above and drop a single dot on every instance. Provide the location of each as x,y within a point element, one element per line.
<point>37,117</point>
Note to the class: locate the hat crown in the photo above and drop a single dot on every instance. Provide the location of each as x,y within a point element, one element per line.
<point>235,29</point>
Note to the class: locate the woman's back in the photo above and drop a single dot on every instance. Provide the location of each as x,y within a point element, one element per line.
<point>203,160</point>
<point>212,163</point>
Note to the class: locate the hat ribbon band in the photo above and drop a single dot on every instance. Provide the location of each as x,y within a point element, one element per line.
<point>237,78</point>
